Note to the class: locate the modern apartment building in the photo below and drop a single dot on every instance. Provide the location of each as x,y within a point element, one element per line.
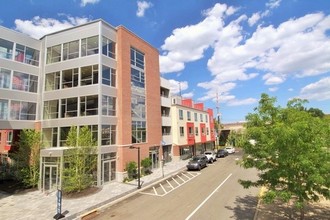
<point>99,76</point>
<point>94,74</point>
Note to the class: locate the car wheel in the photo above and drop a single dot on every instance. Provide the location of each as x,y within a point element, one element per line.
<point>199,167</point>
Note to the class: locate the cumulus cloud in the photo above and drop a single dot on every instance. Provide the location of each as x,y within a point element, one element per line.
<point>142,7</point>
<point>236,102</point>
<point>39,27</point>
<point>83,3</point>
<point>319,90</point>
<point>254,19</point>
<point>177,87</point>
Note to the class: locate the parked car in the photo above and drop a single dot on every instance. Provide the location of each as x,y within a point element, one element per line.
<point>230,149</point>
<point>222,153</point>
<point>211,156</point>
<point>197,162</point>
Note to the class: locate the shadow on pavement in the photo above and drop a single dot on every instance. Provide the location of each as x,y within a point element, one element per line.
<point>245,207</point>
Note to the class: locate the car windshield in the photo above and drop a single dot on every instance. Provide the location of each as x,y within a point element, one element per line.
<point>195,158</point>
<point>207,153</point>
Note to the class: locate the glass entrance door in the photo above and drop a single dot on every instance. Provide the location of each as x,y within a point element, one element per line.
<point>50,177</point>
<point>153,155</point>
<point>109,170</point>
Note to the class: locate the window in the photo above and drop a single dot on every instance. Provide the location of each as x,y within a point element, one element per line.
<point>54,54</point>
<point>27,55</point>
<point>89,46</point>
<point>201,116</point>
<point>4,78</point>
<point>64,131</point>
<point>139,132</point>
<point>108,48</point>
<point>51,109</point>
<point>70,78</point>
<point>181,131</point>
<point>195,117</point>
<point>71,50</point>
<point>69,107</point>
<point>108,105</point>
<point>137,58</point>
<point>89,105</point>
<point>180,114</point>
<point>9,137</point>
<point>196,131</point>
<point>89,75</point>
<point>94,131</point>
<point>108,135</point>
<point>203,130</point>
<point>137,78</point>
<point>25,82</point>
<point>206,118</point>
<point>191,131</point>
<point>6,49</point>
<point>49,137</point>
<point>4,109</point>
<point>188,116</point>
<point>138,105</point>
<point>52,81</point>
<point>108,76</point>
<point>207,131</point>
<point>23,110</point>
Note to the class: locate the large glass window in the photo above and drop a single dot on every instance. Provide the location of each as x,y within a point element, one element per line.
<point>25,82</point>
<point>180,114</point>
<point>64,131</point>
<point>89,105</point>
<point>137,78</point>
<point>22,110</point>
<point>137,58</point>
<point>89,75</point>
<point>108,76</point>
<point>71,50</point>
<point>4,109</point>
<point>54,54</point>
<point>70,78</point>
<point>108,135</point>
<point>52,81</point>
<point>108,48</point>
<point>6,49</point>
<point>188,116</point>
<point>94,130</point>
<point>4,78</point>
<point>139,131</point>
<point>51,109</point>
<point>89,46</point>
<point>138,106</point>
<point>108,105</point>
<point>27,55</point>
<point>69,107</point>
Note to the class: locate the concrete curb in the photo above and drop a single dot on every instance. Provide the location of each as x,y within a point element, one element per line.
<point>261,193</point>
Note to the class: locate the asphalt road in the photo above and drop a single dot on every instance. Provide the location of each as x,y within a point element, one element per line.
<point>212,193</point>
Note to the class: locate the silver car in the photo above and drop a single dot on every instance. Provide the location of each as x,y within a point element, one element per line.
<point>197,162</point>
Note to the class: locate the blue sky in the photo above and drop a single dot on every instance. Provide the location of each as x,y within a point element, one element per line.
<point>223,53</point>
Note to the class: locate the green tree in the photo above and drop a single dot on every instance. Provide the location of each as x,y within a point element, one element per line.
<point>80,160</point>
<point>291,149</point>
<point>27,158</point>
<point>146,166</point>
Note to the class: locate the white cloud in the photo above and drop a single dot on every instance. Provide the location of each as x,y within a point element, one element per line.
<point>273,4</point>
<point>188,95</point>
<point>271,79</point>
<point>248,101</point>
<point>177,87</point>
<point>39,27</point>
<point>83,3</point>
<point>273,89</point>
<point>188,43</point>
<point>254,19</point>
<point>319,90</point>
<point>142,7</point>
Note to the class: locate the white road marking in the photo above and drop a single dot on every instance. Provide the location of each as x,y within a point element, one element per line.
<point>207,198</point>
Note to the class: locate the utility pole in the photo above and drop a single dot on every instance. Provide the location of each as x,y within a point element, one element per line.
<point>218,118</point>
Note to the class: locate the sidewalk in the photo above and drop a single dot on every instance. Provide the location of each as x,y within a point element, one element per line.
<point>38,205</point>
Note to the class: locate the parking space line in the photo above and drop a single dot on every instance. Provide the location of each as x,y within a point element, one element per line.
<point>163,188</point>
<point>176,181</point>
<point>169,184</point>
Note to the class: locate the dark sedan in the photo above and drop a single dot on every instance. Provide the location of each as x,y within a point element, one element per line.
<point>222,153</point>
<point>197,162</point>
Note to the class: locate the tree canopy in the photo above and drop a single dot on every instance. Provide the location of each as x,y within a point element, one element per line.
<point>290,148</point>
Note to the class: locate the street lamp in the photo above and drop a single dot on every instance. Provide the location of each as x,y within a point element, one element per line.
<point>139,169</point>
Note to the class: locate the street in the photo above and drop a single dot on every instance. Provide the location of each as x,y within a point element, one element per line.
<point>212,193</point>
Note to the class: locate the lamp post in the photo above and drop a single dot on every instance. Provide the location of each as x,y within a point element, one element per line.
<point>139,169</point>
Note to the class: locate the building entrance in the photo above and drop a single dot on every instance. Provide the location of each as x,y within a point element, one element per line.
<point>50,182</point>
